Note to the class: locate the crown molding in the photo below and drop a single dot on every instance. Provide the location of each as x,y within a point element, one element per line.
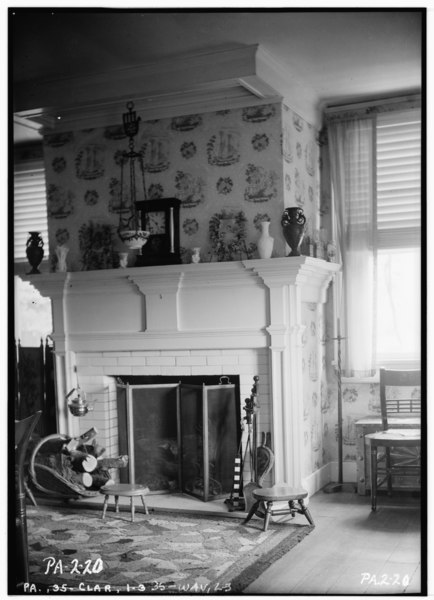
<point>148,108</point>
<point>232,78</point>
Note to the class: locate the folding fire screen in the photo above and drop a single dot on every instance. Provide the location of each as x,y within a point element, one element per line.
<point>180,437</point>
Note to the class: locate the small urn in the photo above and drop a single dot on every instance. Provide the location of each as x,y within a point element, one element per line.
<point>265,241</point>
<point>61,253</point>
<point>35,251</point>
<point>123,260</point>
<point>293,226</point>
<point>195,257</point>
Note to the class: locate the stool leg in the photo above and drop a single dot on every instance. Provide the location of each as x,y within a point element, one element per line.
<point>305,511</point>
<point>268,515</point>
<point>132,508</point>
<point>117,504</point>
<point>104,508</point>
<point>144,505</point>
<point>251,512</point>
<point>292,508</point>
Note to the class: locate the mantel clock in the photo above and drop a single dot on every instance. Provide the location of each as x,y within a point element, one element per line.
<point>161,218</point>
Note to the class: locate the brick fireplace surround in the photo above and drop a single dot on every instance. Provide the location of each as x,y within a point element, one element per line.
<point>235,318</point>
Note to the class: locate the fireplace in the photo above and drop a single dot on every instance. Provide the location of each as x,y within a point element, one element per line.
<point>242,318</point>
<point>179,435</point>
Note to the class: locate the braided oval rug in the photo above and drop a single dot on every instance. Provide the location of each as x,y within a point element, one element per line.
<point>72,550</point>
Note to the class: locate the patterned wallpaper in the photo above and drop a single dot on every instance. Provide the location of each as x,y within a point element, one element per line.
<point>321,393</point>
<point>300,151</point>
<point>231,169</point>
<point>237,167</point>
<point>316,393</point>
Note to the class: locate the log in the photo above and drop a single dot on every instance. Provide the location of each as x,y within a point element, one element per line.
<point>82,439</point>
<point>86,463</point>
<point>97,449</point>
<point>87,479</point>
<point>99,478</point>
<point>113,463</point>
<point>78,454</point>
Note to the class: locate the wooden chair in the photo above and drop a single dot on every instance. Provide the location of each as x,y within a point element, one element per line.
<point>401,455</point>
<point>23,433</point>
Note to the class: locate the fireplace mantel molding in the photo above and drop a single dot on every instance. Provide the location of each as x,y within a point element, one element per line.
<point>250,304</point>
<point>181,306</point>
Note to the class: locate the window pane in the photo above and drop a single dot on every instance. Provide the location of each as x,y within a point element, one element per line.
<point>398,304</point>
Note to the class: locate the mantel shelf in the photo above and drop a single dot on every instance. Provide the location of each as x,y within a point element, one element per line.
<point>288,269</point>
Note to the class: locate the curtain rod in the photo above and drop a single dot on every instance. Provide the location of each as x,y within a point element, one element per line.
<point>367,103</point>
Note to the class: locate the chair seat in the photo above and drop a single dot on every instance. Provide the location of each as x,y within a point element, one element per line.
<point>397,437</point>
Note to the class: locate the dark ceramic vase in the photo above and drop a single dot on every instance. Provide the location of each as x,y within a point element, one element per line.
<point>35,251</point>
<point>293,226</point>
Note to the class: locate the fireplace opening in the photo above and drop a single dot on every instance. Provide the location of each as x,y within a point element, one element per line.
<point>180,433</point>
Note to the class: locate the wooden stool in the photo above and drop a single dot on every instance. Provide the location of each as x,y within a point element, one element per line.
<point>276,494</point>
<point>124,489</point>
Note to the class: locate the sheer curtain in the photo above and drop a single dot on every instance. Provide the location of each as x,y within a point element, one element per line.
<point>351,146</point>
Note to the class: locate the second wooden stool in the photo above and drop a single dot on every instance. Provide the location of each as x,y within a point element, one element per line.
<point>279,493</point>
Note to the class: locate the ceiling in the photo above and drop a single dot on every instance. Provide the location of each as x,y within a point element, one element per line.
<point>341,55</point>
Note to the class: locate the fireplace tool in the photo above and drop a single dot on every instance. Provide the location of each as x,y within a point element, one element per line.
<point>261,458</point>
<point>236,500</point>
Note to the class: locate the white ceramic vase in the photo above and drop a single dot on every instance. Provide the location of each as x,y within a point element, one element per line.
<point>123,260</point>
<point>62,253</point>
<point>195,257</point>
<point>265,242</point>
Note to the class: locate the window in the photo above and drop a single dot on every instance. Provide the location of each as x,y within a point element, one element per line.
<point>33,320</point>
<point>30,205</point>
<point>398,160</point>
<point>375,165</point>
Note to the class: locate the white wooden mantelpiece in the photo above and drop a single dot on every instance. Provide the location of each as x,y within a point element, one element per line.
<point>209,306</point>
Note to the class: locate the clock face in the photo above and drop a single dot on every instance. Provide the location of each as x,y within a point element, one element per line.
<point>156,222</point>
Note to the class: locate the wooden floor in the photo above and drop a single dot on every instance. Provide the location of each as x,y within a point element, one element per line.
<point>352,550</point>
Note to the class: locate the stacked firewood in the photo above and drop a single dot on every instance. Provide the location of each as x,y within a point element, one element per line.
<point>80,460</point>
